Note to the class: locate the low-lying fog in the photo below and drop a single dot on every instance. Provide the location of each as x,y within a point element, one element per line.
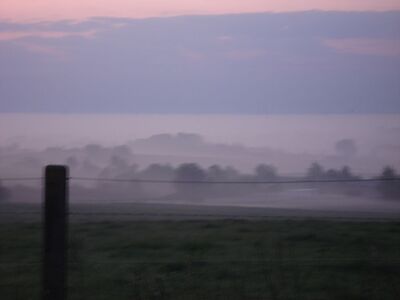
<point>222,147</point>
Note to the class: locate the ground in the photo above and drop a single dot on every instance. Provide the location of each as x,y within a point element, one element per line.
<point>210,259</point>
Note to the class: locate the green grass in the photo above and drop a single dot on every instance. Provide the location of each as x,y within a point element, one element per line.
<point>211,260</point>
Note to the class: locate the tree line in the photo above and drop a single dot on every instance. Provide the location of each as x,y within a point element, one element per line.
<point>193,174</point>
<point>388,188</point>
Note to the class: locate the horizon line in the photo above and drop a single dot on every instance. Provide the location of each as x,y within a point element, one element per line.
<point>270,12</point>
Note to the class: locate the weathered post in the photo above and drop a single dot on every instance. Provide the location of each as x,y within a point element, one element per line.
<point>55,233</point>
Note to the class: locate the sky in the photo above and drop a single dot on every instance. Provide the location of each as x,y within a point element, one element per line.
<point>22,10</point>
<point>200,56</point>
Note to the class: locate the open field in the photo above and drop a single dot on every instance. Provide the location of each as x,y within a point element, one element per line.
<point>128,211</point>
<point>211,259</point>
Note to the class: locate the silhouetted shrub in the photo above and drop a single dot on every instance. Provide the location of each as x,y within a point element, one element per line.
<point>188,172</point>
<point>389,187</point>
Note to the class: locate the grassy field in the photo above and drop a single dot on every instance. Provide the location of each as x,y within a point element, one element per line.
<point>211,259</point>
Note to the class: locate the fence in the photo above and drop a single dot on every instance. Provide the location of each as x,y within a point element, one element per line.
<point>183,275</point>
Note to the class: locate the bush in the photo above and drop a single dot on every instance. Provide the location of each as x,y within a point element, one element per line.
<point>389,187</point>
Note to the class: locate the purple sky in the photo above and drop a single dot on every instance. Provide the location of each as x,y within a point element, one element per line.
<point>298,62</point>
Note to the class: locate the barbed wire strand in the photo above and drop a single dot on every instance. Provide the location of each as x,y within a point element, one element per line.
<point>20,178</point>
<point>138,180</point>
<point>20,212</point>
<point>133,180</point>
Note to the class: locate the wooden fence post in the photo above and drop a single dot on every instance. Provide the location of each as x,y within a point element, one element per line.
<point>54,281</point>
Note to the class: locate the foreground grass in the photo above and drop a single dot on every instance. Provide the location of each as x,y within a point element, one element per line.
<point>211,260</point>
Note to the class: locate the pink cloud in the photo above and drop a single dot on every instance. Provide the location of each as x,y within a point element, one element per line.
<point>364,46</point>
<point>44,50</point>
<point>15,35</point>
<point>22,10</point>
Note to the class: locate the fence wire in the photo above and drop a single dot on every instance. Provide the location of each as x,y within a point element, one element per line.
<point>134,180</point>
<point>20,178</point>
<point>139,180</point>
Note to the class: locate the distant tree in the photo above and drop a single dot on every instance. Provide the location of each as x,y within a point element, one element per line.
<point>189,138</point>
<point>388,173</point>
<point>122,151</point>
<point>218,173</point>
<point>315,171</point>
<point>231,173</point>
<point>119,163</point>
<point>332,174</point>
<point>93,149</point>
<point>119,169</point>
<point>215,172</point>
<point>265,172</point>
<point>342,174</point>
<point>346,173</point>
<point>389,187</point>
<point>353,189</point>
<point>346,148</point>
<point>190,172</point>
<point>157,171</point>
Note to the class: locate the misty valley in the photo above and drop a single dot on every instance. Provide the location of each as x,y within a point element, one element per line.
<point>160,169</point>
